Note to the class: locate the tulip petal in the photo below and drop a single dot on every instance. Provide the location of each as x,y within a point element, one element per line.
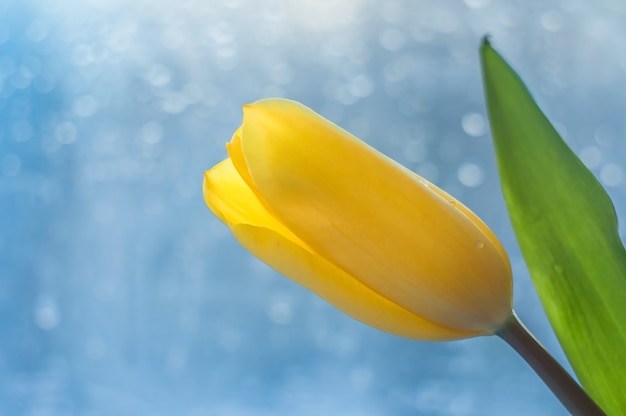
<point>228,196</point>
<point>339,288</point>
<point>233,202</point>
<point>360,210</point>
<point>489,235</point>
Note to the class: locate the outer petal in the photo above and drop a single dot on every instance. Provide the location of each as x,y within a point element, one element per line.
<point>364,213</point>
<point>234,203</point>
<point>489,235</point>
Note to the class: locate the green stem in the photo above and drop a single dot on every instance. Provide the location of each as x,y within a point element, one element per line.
<point>564,387</point>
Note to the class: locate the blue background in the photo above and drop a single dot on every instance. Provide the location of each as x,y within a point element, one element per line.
<point>120,293</point>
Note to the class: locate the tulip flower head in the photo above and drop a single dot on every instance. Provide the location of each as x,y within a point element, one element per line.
<point>369,236</point>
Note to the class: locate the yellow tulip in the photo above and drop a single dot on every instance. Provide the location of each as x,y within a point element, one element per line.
<point>366,234</point>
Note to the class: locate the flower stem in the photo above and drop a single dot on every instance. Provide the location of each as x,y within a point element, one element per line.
<point>564,387</point>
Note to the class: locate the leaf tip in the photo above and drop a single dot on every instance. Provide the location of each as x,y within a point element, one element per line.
<point>486,41</point>
<point>485,48</point>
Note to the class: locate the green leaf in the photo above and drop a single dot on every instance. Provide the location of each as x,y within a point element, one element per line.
<point>567,229</point>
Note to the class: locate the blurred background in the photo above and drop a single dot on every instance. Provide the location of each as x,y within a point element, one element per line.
<point>121,294</point>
